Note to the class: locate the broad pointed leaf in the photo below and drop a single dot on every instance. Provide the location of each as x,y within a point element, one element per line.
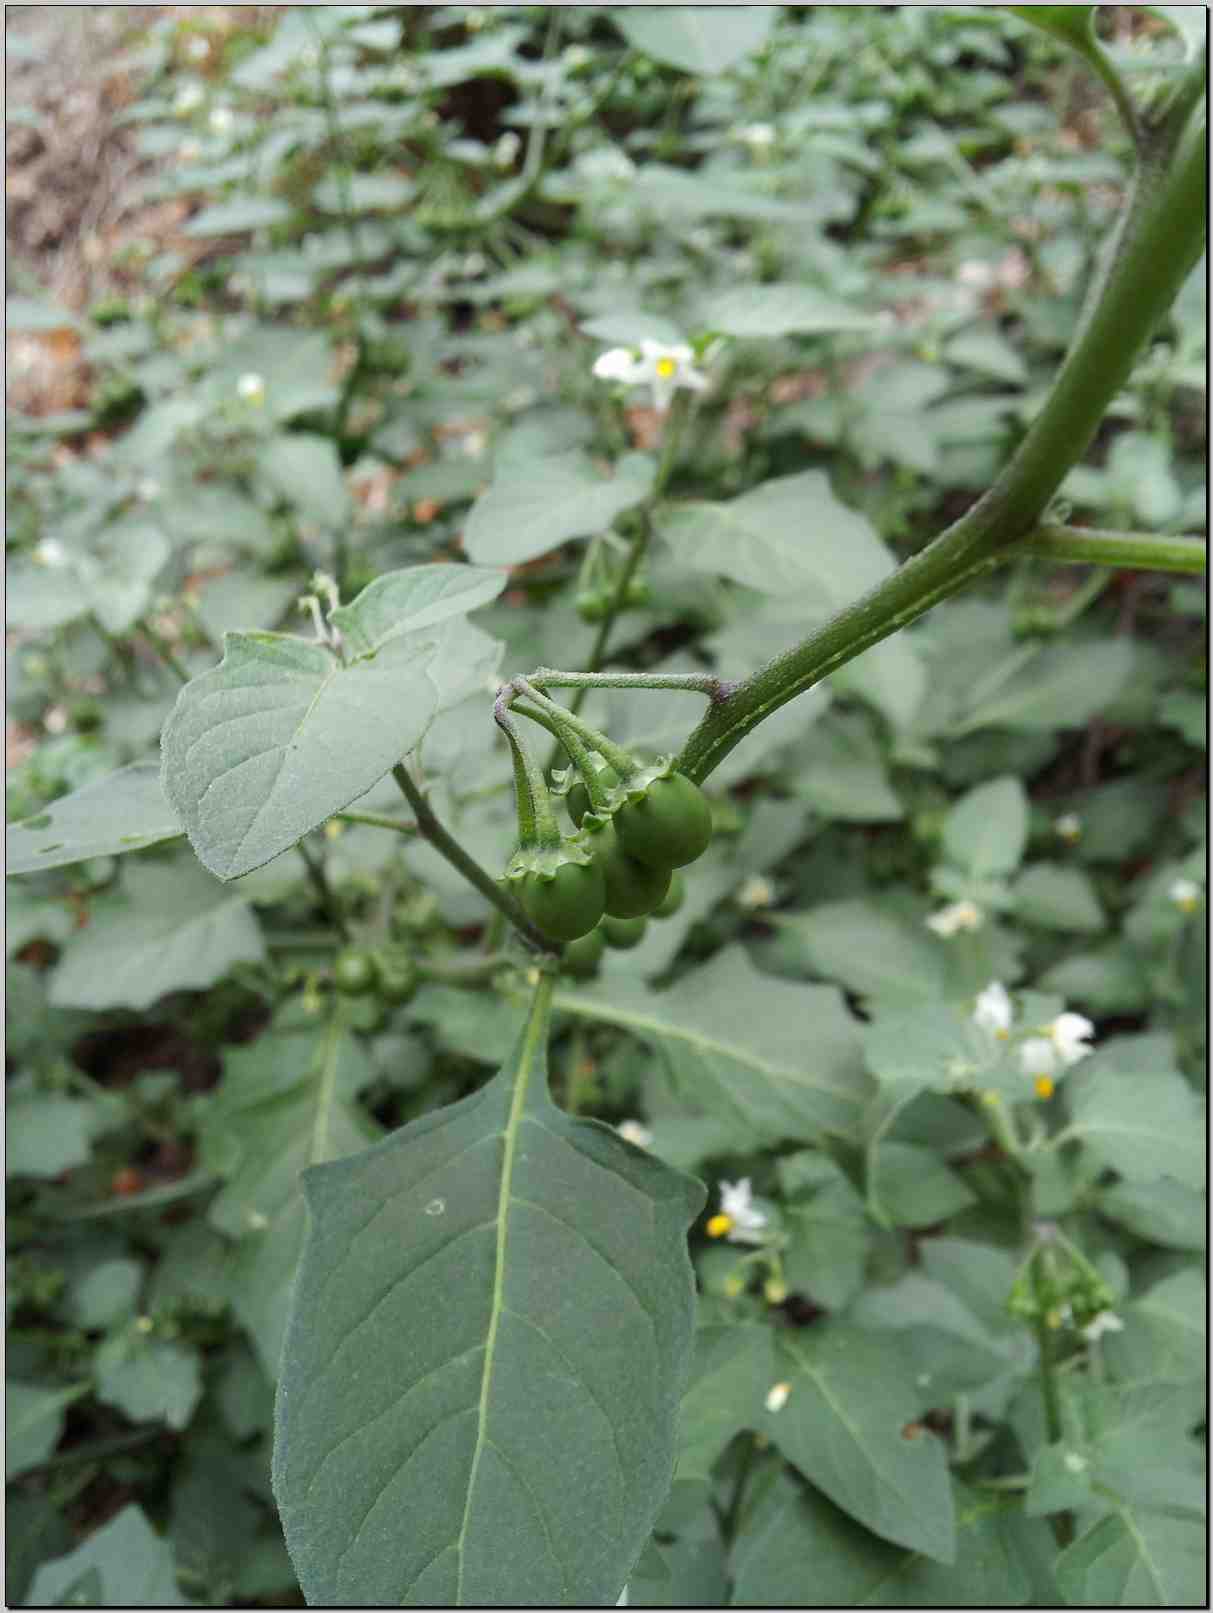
<point>285,1103</point>
<point>33,1422</point>
<point>124,811</point>
<point>778,1061</point>
<point>536,505</point>
<point>849,1425</point>
<point>781,310</point>
<point>170,928</point>
<point>1136,1559</point>
<point>123,1564</point>
<point>698,39</point>
<point>282,733</point>
<point>489,1338</point>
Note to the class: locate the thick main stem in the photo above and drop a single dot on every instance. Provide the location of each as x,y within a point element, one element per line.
<point>1158,241</point>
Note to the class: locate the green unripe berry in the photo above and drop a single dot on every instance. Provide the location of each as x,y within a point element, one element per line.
<point>669,826</point>
<point>581,957</point>
<point>673,898</point>
<point>354,972</point>
<point>566,904</point>
<point>623,934</point>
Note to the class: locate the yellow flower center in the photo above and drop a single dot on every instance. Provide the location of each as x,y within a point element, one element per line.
<point>1044,1086</point>
<point>719,1225</point>
<point>666,367</point>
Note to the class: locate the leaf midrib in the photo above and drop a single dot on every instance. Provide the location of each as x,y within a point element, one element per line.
<point>532,1043</point>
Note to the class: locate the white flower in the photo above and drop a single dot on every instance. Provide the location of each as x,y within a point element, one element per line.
<point>1064,1043</point>
<point>198,48</point>
<point>777,1396</point>
<point>188,99</point>
<point>575,56</point>
<point>1068,827</point>
<point>50,552</point>
<point>755,892</point>
<point>738,1220</point>
<point>973,272</point>
<point>147,489</point>
<point>659,366</point>
<point>1074,1462</point>
<point>1038,1057</point>
<point>251,387</point>
<point>1071,1033</point>
<point>506,149</point>
<point>1104,1322</point>
<point>633,1132</point>
<point>55,719</point>
<point>220,120</point>
<point>994,1012</point>
<point>758,135</point>
<point>1185,893</point>
<point>955,917</point>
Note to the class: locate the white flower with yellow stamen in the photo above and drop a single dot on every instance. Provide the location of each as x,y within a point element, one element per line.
<point>737,1220</point>
<point>1103,1322</point>
<point>993,1012</point>
<point>658,365</point>
<point>1068,827</point>
<point>1185,893</point>
<point>955,917</point>
<point>251,387</point>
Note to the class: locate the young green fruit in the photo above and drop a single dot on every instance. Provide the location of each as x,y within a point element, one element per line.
<point>623,934</point>
<point>630,888</point>
<point>354,972</point>
<point>673,898</point>
<point>669,826</point>
<point>581,957</point>
<point>565,904</point>
<point>592,604</point>
<point>398,977</point>
<point>578,799</point>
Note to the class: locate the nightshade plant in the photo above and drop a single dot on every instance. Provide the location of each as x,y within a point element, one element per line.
<point>493,1385</point>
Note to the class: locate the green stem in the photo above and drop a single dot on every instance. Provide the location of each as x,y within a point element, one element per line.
<point>1151,252</point>
<point>161,646</point>
<point>378,820</point>
<point>319,880</point>
<point>1046,1340</point>
<point>447,846</point>
<point>568,721</point>
<point>693,682</point>
<point>536,818</point>
<point>578,753</point>
<point>1128,551</point>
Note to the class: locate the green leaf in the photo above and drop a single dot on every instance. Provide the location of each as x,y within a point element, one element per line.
<point>1144,1125</point>
<point>913,1188</point>
<point>1058,897</point>
<point>840,771</point>
<point>305,469</point>
<point>1160,1211</point>
<point>872,953</point>
<point>369,193</point>
<point>1164,1338</point>
<point>489,1259</point>
<point>828,1231</point>
<point>112,578</point>
<point>844,1426</point>
<point>779,1062</point>
<point>536,505</point>
<point>124,811</point>
<point>986,831</point>
<point>238,215</point>
<point>105,1294</point>
<point>1136,1559</point>
<point>46,1135</point>
<point>170,928</point>
<point>798,1550</point>
<point>33,1422</point>
<point>132,1564</point>
<point>774,309</point>
<point>946,1348</point>
<point>282,734</point>
<point>791,535</point>
<point>732,1369</point>
<point>695,38</point>
<point>149,1379</point>
<point>286,1102</point>
<point>1060,686</point>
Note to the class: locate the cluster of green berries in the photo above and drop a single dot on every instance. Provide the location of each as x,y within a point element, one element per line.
<point>388,971</point>
<point>600,885</point>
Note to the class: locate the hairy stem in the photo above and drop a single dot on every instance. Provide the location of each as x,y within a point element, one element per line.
<point>1151,252</point>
